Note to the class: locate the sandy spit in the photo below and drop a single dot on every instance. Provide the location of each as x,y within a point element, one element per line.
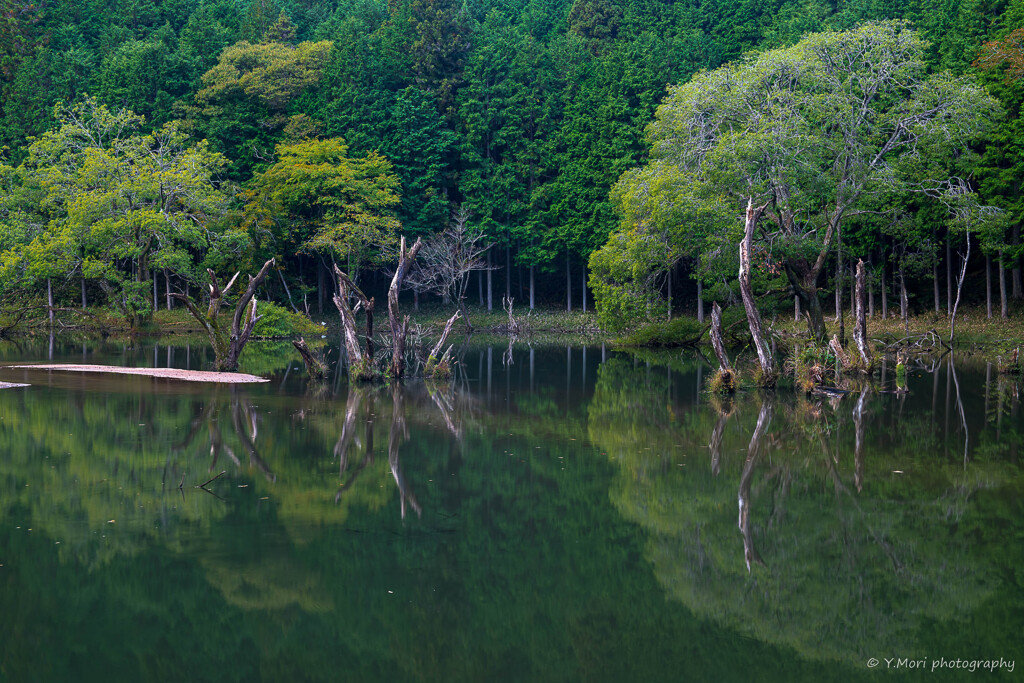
<point>164,373</point>
<point>11,385</point>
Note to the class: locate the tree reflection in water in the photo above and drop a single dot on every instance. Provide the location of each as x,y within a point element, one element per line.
<point>852,519</point>
<point>753,453</point>
<point>245,427</point>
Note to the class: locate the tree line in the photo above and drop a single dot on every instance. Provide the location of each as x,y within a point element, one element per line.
<point>145,142</point>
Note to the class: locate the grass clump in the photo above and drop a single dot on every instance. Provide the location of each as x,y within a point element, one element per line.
<point>723,382</point>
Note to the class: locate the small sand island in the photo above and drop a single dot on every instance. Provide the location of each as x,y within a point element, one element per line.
<point>11,385</point>
<point>164,373</point>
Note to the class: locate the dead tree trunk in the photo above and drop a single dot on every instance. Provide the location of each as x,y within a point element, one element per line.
<point>904,302</point>
<point>346,288</point>
<point>437,362</point>
<point>228,343</point>
<point>837,349</point>
<point>360,367</point>
<point>764,353</point>
<point>860,323</point>
<point>399,329</point>
<point>725,379</point>
<point>959,290</point>
<point>716,337</point>
<point>315,366</point>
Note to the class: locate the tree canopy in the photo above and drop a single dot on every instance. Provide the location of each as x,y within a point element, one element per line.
<point>814,134</point>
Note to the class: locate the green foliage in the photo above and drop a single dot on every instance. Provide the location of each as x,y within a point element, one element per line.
<point>675,332</point>
<point>529,113</point>
<point>322,201</point>
<point>270,73</point>
<point>278,321</point>
<point>112,203</point>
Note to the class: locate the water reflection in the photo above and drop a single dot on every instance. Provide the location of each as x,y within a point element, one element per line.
<point>873,563</point>
<point>753,452</point>
<point>244,426</point>
<point>534,513</point>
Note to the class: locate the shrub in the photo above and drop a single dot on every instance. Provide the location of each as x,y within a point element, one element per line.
<point>672,333</point>
<point>278,321</point>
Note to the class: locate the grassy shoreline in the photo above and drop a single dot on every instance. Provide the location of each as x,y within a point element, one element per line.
<point>975,333</point>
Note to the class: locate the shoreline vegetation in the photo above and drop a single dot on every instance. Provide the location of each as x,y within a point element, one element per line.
<point>992,339</point>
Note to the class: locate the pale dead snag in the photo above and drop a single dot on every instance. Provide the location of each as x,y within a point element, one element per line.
<point>726,379</point>
<point>438,365</point>
<point>860,335</point>
<point>315,365</point>
<point>764,353</point>
<point>400,327</point>
<point>841,355</point>
<point>360,366</point>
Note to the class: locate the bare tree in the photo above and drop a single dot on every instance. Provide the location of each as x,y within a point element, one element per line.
<point>228,343</point>
<point>448,258</point>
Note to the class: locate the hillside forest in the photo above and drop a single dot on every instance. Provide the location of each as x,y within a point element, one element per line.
<point>604,151</point>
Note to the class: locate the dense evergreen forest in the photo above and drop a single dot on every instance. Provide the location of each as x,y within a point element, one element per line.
<point>145,141</point>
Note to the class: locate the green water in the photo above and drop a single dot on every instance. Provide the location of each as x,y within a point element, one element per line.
<point>576,514</point>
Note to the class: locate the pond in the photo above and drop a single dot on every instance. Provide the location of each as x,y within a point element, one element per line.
<point>554,514</point>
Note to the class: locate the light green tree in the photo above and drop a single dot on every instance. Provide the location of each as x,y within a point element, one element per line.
<point>113,203</point>
<point>318,199</point>
<point>806,135</point>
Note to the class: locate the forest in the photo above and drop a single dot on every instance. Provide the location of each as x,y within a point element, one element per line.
<point>144,142</point>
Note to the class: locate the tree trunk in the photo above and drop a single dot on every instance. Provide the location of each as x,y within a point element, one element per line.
<point>959,290</point>
<point>988,286</point>
<point>490,283</point>
<point>49,301</point>
<point>85,303</point>
<point>531,288</point>
<point>669,278</point>
<point>167,288</point>
<point>904,303</point>
<point>508,272</point>
<point>885,295</point>
<point>935,273</point>
<point>228,344</point>
<point>764,354</point>
<point>1018,291</point>
<point>860,321</point>
<point>321,284</point>
<point>315,366</point>
<point>871,302</point>
<point>700,301</point>
<point>716,338</point>
<point>583,274</point>
<point>357,367</point>
<point>568,283</point>
<point>949,274</point>
<point>725,377</point>
<point>399,330</point>
<point>796,308</point>
<point>1003,308</point>
<point>810,304</point>
<point>437,362</point>
<point>839,283</point>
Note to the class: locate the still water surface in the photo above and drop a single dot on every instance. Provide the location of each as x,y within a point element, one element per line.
<point>574,514</point>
